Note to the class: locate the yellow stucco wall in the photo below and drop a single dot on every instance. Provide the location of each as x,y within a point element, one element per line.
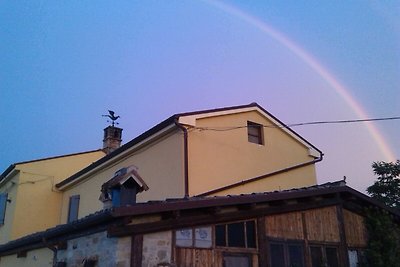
<point>158,163</point>
<point>220,158</point>
<point>216,159</point>
<point>35,204</point>
<point>34,258</point>
<point>294,179</point>
<point>11,190</point>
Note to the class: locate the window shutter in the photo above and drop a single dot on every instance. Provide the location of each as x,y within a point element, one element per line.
<point>3,203</point>
<point>73,208</point>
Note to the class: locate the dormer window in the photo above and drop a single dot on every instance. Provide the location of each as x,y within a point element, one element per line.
<point>255,133</point>
<point>125,194</point>
<point>121,190</point>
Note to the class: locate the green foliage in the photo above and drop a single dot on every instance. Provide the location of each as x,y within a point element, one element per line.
<point>384,240</point>
<point>387,187</point>
<point>384,233</point>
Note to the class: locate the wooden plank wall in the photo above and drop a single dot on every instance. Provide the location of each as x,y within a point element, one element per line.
<point>287,226</point>
<point>191,257</point>
<point>356,232</point>
<point>322,225</point>
<point>317,225</point>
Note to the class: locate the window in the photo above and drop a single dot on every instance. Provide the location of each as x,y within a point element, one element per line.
<point>255,133</point>
<point>199,237</point>
<point>286,254</point>
<point>73,208</point>
<point>356,257</point>
<point>324,256</point>
<point>240,234</point>
<point>3,204</point>
<point>237,260</point>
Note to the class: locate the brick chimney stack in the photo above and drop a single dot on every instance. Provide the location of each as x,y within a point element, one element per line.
<point>112,139</point>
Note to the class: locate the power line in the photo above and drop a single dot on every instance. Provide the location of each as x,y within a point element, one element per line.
<point>343,121</point>
<point>229,128</point>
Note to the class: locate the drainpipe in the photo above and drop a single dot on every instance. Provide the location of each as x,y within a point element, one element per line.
<point>185,155</point>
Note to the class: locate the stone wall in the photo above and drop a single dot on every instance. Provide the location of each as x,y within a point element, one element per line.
<point>108,252</point>
<point>157,249</point>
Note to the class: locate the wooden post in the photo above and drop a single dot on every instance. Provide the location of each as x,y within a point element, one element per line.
<point>307,255</point>
<point>136,250</point>
<point>343,248</point>
<point>262,244</point>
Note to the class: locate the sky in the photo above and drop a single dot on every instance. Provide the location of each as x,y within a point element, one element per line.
<point>63,64</point>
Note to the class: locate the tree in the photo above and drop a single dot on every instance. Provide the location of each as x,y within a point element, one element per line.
<point>387,187</point>
<point>384,234</point>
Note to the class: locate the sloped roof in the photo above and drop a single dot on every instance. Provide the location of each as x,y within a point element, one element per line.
<point>99,221</point>
<point>119,179</point>
<point>172,120</point>
<point>330,188</point>
<point>12,166</point>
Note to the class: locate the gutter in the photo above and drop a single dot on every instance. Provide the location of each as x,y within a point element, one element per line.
<point>186,155</point>
<point>261,177</point>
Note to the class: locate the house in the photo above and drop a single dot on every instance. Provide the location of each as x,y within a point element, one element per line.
<point>29,201</point>
<point>231,150</point>
<point>310,226</point>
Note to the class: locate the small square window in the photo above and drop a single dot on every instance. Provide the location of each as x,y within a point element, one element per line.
<point>284,254</point>
<point>239,234</point>
<point>322,255</point>
<point>199,237</point>
<point>255,133</point>
<point>184,237</point>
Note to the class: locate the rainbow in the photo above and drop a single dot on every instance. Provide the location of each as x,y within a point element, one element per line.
<point>316,66</point>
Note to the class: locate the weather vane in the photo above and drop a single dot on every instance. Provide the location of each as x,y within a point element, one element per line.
<point>112,117</point>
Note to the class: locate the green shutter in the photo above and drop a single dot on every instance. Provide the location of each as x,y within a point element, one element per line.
<point>3,202</point>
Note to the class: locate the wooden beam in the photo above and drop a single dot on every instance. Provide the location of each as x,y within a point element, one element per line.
<point>62,245</point>
<point>22,254</point>
<point>193,220</point>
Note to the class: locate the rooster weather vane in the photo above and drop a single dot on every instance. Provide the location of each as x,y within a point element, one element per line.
<point>112,117</point>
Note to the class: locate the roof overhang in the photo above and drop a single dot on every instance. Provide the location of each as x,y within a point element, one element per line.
<point>8,174</point>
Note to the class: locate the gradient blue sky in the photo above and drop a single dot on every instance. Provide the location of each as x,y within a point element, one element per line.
<point>64,63</point>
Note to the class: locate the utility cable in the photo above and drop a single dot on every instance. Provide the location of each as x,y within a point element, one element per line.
<point>229,128</point>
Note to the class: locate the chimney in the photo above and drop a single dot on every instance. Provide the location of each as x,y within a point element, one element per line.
<point>112,139</point>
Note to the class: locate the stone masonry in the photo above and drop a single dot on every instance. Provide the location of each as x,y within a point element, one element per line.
<point>108,252</point>
<point>157,249</point>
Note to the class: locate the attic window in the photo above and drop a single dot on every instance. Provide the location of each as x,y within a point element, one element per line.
<point>255,133</point>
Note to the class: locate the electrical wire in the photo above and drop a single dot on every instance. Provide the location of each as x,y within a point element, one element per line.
<point>230,128</point>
